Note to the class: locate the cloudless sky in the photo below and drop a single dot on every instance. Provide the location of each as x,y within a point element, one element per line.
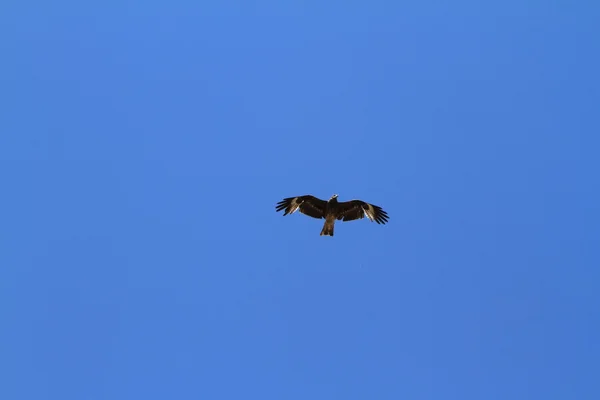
<point>144,144</point>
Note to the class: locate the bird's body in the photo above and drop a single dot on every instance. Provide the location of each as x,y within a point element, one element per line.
<point>332,210</point>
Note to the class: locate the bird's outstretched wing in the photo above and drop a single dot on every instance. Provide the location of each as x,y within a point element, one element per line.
<point>357,209</point>
<point>309,205</point>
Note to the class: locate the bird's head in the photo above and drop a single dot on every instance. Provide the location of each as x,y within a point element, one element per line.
<point>333,197</point>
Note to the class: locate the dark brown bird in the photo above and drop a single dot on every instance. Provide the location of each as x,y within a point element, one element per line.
<point>332,210</point>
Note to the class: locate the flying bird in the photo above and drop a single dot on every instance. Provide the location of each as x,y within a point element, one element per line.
<point>332,210</point>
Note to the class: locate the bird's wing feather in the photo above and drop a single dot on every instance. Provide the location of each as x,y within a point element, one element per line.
<point>309,205</point>
<point>357,209</point>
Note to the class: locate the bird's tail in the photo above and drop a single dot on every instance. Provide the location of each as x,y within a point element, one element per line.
<point>327,228</point>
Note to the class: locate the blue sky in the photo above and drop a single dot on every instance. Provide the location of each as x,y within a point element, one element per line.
<point>144,145</point>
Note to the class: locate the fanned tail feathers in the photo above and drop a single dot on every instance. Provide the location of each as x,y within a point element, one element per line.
<point>327,228</point>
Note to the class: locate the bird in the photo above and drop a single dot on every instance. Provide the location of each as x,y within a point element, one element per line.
<point>331,210</point>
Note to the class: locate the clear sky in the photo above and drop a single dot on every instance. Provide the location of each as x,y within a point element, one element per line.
<point>144,145</point>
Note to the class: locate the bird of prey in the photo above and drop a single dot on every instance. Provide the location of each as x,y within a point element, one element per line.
<point>332,210</point>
